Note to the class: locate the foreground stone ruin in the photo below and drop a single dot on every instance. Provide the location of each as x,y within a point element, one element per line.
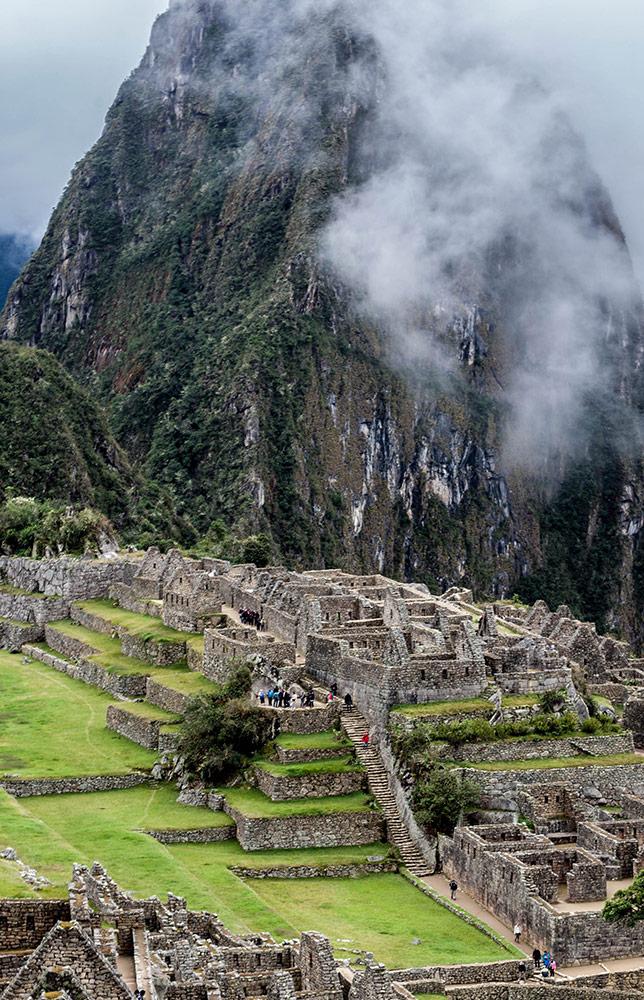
<point>547,846</point>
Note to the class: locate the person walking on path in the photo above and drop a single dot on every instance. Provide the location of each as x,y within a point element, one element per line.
<point>553,968</point>
<point>536,958</point>
<point>453,886</point>
<point>262,697</point>
<point>348,702</point>
<point>517,932</point>
<point>365,740</point>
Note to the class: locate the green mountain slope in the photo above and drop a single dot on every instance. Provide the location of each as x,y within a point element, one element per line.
<point>180,279</point>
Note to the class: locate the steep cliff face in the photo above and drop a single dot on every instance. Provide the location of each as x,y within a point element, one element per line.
<point>181,279</point>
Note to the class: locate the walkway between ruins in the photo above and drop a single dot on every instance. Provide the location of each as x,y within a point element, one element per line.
<point>355,726</point>
<point>440,885</point>
<point>232,614</point>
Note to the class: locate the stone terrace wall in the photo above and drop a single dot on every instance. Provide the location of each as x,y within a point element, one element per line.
<point>281,788</point>
<point>499,787</point>
<point>316,871</point>
<point>38,609</point>
<point>24,922</point>
<point>127,598</point>
<point>14,635</point>
<point>87,671</point>
<point>22,788</point>
<point>73,579</point>
<point>138,729</point>
<point>537,749</point>
<point>166,698</point>
<point>306,720</point>
<point>160,654</point>
<point>461,975</point>
<point>203,835</point>
<point>306,755</point>
<point>562,991</point>
<point>330,830</point>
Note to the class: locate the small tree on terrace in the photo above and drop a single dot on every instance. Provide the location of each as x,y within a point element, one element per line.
<point>627,905</point>
<point>442,798</point>
<point>223,731</point>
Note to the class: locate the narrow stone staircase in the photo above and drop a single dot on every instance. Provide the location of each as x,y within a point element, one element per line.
<point>355,726</point>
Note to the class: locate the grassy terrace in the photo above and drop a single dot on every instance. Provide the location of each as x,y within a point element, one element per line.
<point>54,726</point>
<point>144,626</point>
<point>54,831</point>
<point>109,656</point>
<point>145,711</point>
<point>252,802</point>
<point>440,708</point>
<point>609,760</point>
<point>331,766</point>
<point>401,914</point>
<point>332,739</point>
<point>6,588</point>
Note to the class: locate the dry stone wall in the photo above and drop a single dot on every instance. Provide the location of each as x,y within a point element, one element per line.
<point>24,922</point>
<point>202,835</point>
<point>88,671</point>
<point>498,787</point>
<point>137,728</point>
<point>316,871</point>
<point>66,577</point>
<point>165,697</point>
<point>14,635</point>
<point>509,750</point>
<point>329,830</point>
<point>281,788</point>
<point>22,788</point>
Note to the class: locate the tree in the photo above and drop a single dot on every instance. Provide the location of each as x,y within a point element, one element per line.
<point>441,800</point>
<point>627,905</point>
<point>223,731</point>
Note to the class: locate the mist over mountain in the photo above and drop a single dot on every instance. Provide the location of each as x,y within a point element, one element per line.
<point>341,273</point>
<point>14,251</point>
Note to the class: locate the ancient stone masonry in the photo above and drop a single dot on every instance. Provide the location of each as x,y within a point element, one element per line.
<point>65,577</point>
<point>525,876</point>
<point>330,830</point>
<point>573,831</point>
<point>172,951</point>
<point>281,788</point>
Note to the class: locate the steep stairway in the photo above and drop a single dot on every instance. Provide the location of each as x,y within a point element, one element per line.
<point>355,726</point>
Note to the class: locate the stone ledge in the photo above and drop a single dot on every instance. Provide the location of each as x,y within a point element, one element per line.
<point>22,788</point>
<point>316,871</point>
<point>203,835</point>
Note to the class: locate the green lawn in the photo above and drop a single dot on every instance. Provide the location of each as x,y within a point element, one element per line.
<point>109,656</point>
<point>467,705</point>
<point>144,626</point>
<point>609,760</point>
<point>332,739</point>
<point>382,914</point>
<point>331,766</point>
<point>54,726</point>
<point>252,802</point>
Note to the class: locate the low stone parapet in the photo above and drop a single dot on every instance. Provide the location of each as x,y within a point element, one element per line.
<point>316,785</point>
<point>508,750</point>
<point>307,755</point>
<point>14,635</point>
<point>306,720</point>
<point>165,697</point>
<point>69,646</point>
<point>327,830</point>
<point>202,835</point>
<point>22,788</point>
<point>137,728</point>
<point>316,871</point>
<point>89,672</point>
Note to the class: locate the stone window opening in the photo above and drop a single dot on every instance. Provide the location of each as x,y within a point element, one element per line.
<point>444,675</point>
<point>30,923</point>
<point>422,675</point>
<point>4,923</point>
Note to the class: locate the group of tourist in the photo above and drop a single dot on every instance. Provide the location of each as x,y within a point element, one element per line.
<point>248,617</point>
<point>277,697</point>
<point>545,964</point>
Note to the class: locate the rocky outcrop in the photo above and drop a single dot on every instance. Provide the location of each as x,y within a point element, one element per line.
<point>180,275</point>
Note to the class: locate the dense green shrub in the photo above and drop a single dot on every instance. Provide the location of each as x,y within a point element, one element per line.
<point>30,527</point>
<point>442,798</point>
<point>222,732</point>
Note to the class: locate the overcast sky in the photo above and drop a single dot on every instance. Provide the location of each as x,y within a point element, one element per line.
<point>61,62</point>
